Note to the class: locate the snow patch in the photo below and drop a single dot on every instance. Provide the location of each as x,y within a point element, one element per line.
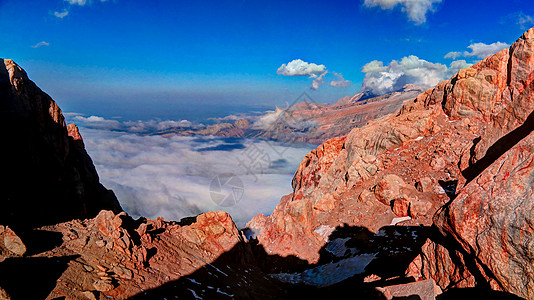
<point>329,274</point>
<point>398,220</point>
<point>324,231</point>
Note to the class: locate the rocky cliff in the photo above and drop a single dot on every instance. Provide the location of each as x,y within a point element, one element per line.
<point>48,176</point>
<point>488,224</point>
<point>458,159</point>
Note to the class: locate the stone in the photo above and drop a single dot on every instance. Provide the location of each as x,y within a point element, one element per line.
<point>424,185</point>
<point>123,272</point>
<point>4,295</point>
<point>420,208</point>
<point>424,290</point>
<point>401,207</point>
<point>489,222</point>
<point>103,285</point>
<point>13,243</point>
<point>389,188</point>
<point>89,295</point>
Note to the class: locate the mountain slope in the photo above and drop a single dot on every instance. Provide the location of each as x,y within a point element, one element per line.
<point>49,176</point>
<point>448,143</point>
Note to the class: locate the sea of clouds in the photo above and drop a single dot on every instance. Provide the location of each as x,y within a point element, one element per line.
<point>171,176</point>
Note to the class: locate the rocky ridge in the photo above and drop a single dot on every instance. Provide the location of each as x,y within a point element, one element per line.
<point>310,122</point>
<point>456,159</point>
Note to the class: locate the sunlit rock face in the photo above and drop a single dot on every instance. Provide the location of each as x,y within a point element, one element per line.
<point>468,139</point>
<point>488,224</point>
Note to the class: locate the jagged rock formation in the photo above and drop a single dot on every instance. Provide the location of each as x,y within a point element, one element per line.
<point>462,149</point>
<point>121,257</point>
<point>489,222</point>
<point>375,174</point>
<point>48,176</point>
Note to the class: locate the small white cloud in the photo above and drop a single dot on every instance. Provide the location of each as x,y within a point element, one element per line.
<point>77,2</point>
<point>520,18</point>
<point>380,79</point>
<point>318,81</point>
<point>62,14</point>
<point>340,82</point>
<point>40,44</point>
<point>97,122</point>
<point>299,67</point>
<point>415,9</point>
<point>453,54</point>
<point>524,21</point>
<point>456,66</point>
<point>479,50</point>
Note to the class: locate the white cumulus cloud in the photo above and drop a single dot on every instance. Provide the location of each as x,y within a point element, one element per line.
<point>298,67</point>
<point>415,9</point>
<point>479,50</point>
<point>382,79</point>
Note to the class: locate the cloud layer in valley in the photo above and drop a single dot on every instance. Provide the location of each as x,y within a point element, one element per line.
<point>171,176</point>
<point>381,79</point>
<point>416,10</point>
<point>97,122</point>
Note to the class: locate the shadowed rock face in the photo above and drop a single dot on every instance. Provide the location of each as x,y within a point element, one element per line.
<point>47,175</point>
<point>464,146</point>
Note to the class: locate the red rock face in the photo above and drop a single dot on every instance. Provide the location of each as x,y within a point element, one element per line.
<point>119,257</point>
<point>474,129</point>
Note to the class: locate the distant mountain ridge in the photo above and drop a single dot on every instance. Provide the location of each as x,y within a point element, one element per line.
<point>310,122</point>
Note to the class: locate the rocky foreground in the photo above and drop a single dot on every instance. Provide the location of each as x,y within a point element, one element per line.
<point>435,199</point>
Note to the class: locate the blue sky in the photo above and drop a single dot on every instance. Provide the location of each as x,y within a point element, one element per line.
<point>149,58</point>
